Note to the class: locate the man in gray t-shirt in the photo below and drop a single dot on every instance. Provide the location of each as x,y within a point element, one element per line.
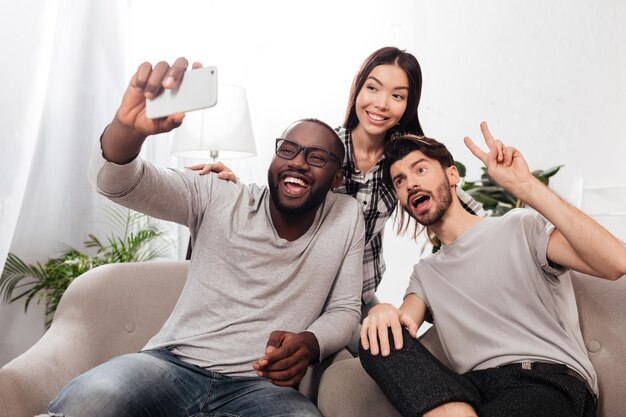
<point>505,313</point>
<point>274,282</point>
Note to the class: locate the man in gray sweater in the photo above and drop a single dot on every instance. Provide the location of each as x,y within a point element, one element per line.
<point>274,282</point>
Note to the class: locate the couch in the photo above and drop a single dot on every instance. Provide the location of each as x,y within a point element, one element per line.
<point>111,310</point>
<point>346,390</point>
<point>114,309</point>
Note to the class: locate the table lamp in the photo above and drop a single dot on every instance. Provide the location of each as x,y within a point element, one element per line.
<point>223,131</point>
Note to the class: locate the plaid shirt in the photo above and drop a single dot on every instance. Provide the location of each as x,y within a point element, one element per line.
<point>378,202</point>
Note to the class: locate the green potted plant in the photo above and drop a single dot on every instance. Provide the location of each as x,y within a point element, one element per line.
<point>495,198</point>
<point>136,238</point>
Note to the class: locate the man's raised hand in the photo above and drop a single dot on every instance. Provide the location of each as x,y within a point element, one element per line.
<point>505,164</point>
<point>124,136</point>
<point>147,83</point>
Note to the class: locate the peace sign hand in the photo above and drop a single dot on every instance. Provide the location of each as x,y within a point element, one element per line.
<point>505,164</point>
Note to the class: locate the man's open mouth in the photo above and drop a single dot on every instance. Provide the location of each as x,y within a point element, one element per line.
<point>419,200</point>
<point>295,187</point>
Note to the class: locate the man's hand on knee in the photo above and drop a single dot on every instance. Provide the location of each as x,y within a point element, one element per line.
<point>375,329</point>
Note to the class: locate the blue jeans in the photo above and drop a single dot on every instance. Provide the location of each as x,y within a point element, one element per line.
<point>157,383</point>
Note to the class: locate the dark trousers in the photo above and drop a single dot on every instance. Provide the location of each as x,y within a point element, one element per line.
<point>415,382</point>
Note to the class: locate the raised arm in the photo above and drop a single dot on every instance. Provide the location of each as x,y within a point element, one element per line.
<point>579,242</point>
<point>117,172</point>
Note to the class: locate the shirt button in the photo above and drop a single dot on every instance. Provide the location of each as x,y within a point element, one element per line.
<point>593,346</point>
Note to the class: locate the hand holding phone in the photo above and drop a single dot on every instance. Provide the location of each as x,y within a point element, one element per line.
<point>197,90</point>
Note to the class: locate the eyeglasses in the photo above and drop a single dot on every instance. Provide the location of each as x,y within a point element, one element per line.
<point>316,156</point>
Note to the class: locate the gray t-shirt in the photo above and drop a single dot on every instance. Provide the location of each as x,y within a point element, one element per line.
<point>496,299</point>
<point>244,281</point>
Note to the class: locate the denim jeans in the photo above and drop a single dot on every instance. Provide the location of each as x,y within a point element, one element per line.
<point>157,383</point>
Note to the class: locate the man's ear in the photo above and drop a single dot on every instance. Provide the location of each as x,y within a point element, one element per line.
<point>453,175</point>
<point>337,179</point>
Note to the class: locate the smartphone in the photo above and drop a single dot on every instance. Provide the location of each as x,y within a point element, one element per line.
<point>197,90</point>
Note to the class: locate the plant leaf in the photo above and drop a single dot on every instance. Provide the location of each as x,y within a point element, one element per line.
<point>137,238</point>
<point>551,171</point>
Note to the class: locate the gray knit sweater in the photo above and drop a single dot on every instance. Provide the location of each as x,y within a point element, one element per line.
<point>245,281</point>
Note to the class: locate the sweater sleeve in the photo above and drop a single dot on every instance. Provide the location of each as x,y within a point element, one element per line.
<point>342,311</point>
<point>164,193</point>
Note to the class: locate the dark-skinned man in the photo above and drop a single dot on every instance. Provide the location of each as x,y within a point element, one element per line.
<point>274,282</point>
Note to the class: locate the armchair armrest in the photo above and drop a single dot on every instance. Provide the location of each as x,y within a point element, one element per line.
<point>108,311</point>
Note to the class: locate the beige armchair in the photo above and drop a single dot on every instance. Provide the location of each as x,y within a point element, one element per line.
<point>347,391</point>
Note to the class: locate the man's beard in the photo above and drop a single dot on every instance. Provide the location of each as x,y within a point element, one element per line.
<point>312,202</point>
<point>442,199</point>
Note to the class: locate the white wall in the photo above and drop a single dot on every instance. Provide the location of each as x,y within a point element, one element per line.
<point>547,76</point>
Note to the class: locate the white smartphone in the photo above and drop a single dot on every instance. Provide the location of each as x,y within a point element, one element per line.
<point>197,90</point>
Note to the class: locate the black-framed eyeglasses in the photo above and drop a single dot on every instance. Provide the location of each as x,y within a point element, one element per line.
<point>316,156</point>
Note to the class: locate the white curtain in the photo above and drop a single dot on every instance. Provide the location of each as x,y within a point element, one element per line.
<point>63,76</point>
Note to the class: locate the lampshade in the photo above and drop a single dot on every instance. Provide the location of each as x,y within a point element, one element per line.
<point>223,131</point>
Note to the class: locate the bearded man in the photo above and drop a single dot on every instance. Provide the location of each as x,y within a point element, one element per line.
<point>505,314</point>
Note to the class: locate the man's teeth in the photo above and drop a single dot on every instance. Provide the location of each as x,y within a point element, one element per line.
<point>376,117</point>
<point>296,181</point>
